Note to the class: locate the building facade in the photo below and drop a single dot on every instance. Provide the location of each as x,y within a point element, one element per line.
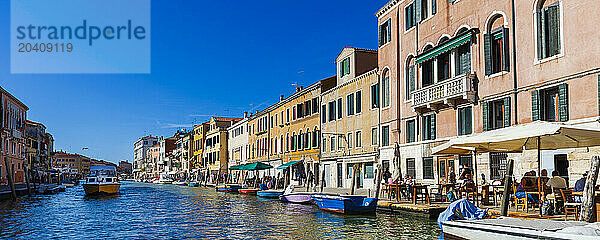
<point>140,157</point>
<point>459,68</point>
<point>13,114</point>
<point>350,121</point>
<point>237,142</point>
<point>198,137</point>
<point>38,146</point>
<point>72,163</point>
<point>215,151</point>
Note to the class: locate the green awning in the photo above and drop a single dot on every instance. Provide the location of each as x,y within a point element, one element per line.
<point>255,166</point>
<point>288,164</point>
<point>237,167</point>
<point>444,48</point>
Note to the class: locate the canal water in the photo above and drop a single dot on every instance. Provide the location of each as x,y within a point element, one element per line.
<point>150,211</point>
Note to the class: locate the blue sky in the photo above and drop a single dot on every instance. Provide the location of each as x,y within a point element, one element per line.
<point>208,58</point>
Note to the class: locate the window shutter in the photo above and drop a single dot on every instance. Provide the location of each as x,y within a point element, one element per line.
<point>380,36</point>
<point>487,48</point>
<point>484,114</point>
<point>389,31</point>
<point>418,10</point>
<point>432,124</point>
<point>542,34</point>
<point>411,79</point>
<point>466,63</point>
<point>563,102</point>
<point>535,105</point>
<point>507,111</point>
<point>347,66</point>
<point>433,7</point>
<point>553,30</point>
<point>505,49</point>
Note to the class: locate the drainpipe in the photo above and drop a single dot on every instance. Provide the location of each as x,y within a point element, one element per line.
<point>514,58</point>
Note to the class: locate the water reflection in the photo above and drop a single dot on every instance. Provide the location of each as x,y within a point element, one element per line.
<point>143,211</point>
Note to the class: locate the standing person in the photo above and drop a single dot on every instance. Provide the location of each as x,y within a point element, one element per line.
<point>310,179</point>
<point>387,175</point>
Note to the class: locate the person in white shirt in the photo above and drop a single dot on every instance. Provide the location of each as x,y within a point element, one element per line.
<point>556,182</point>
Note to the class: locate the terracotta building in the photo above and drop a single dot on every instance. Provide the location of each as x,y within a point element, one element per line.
<point>13,114</point>
<point>459,68</point>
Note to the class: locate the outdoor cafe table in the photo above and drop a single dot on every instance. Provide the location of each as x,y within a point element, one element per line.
<point>395,189</point>
<point>415,189</point>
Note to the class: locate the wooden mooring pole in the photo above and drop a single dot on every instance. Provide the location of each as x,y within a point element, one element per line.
<point>587,207</point>
<point>9,176</point>
<point>507,185</point>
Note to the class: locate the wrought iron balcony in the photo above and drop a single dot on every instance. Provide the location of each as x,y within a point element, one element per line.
<point>449,92</point>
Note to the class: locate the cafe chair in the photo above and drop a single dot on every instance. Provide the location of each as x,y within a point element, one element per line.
<point>571,207</point>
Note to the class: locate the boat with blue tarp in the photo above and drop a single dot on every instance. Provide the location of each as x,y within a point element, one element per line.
<point>346,204</point>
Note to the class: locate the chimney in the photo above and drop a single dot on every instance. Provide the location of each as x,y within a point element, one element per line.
<point>256,112</point>
<point>298,89</point>
<point>245,114</point>
<point>281,97</point>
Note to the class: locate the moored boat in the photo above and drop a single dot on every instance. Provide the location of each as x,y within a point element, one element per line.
<point>193,184</point>
<point>228,188</point>
<point>251,191</point>
<point>297,197</point>
<point>346,204</point>
<point>269,193</point>
<point>181,182</point>
<point>102,180</point>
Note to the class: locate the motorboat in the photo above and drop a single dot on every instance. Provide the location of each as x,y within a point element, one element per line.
<point>250,191</point>
<point>269,193</point>
<point>346,204</point>
<point>228,188</point>
<point>102,180</point>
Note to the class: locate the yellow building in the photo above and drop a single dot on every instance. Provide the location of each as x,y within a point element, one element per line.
<point>198,137</point>
<point>215,150</point>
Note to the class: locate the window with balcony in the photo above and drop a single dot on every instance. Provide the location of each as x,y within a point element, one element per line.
<point>463,59</point>
<point>410,78</point>
<point>465,120</point>
<point>548,29</point>
<point>411,131</point>
<point>427,73</point>
<point>443,66</point>
<point>385,32</point>
<point>429,128</point>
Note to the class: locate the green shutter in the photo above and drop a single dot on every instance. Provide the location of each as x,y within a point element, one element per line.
<point>411,80</point>
<point>553,30</point>
<point>380,36</point>
<point>466,64</point>
<point>484,114</point>
<point>347,66</point>
<point>507,111</point>
<point>389,31</point>
<point>418,10</point>
<point>487,48</point>
<point>432,124</point>
<point>535,105</point>
<point>505,50</point>
<point>563,102</point>
<point>433,7</point>
<point>542,34</point>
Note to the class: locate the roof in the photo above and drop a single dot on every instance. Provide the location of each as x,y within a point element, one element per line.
<point>357,50</point>
<point>34,123</point>
<point>226,119</point>
<point>14,98</point>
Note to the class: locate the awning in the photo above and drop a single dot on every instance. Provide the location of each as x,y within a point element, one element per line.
<point>237,167</point>
<point>444,48</point>
<point>288,164</point>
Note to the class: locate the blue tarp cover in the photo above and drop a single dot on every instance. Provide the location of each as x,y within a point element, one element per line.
<point>461,209</point>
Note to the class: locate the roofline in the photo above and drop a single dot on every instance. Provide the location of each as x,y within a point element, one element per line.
<point>14,98</point>
<point>389,5</point>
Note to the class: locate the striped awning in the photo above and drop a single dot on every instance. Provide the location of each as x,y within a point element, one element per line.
<point>444,48</point>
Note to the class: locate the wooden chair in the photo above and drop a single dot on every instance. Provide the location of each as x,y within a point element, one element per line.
<point>571,207</point>
<point>421,193</point>
<point>519,202</point>
<point>559,201</point>
<point>385,191</point>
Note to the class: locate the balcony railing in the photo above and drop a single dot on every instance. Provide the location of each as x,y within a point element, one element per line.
<point>459,87</point>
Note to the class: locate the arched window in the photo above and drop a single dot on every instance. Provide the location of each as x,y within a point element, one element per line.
<point>307,139</point>
<point>548,22</point>
<point>411,84</point>
<point>443,62</point>
<point>315,138</point>
<point>299,140</point>
<point>496,45</point>
<point>385,88</point>
<point>427,73</point>
<point>462,56</point>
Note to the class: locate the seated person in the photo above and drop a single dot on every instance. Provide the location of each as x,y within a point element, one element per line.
<point>528,182</point>
<point>468,185</point>
<point>579,185</point>
<point>543,180</point>
<point>556,182</point>
<point>520,193</point>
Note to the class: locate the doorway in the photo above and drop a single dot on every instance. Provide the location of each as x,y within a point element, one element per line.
<point>327,175</point>
<point>561,164</point>
<point>340,177</point>
<point>445,167</point>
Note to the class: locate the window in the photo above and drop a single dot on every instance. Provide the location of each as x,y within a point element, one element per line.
<point>465,161</point>
<point>428,127</point>
<point>497,165</point>
<point>465,121</point>
<point>385,32</point>
<point>410,80</point>
<point>332,143</point>
<point>358,139</point>
<point>385,136</point>
<point>340,142</point>
<point>463,59</point>
<point>548,30</point>
<point>496,114</point>
<point>410,167</point>
<point>332,111</point>
<point>375,96</point>
<point>323,113</point>
<point>374,137</point>
<point>350,104</point>
<point>427,73</point>
<point>369,173</point>
<point>315,105</point>
<point>421,5</point>
<point>307,108</point>
<point>349,138</point>
<point>345,67</point>
<point>300,140</point>
<point>411,131</point>
<point>428,168</point>
<point>293,141</point>
<point>358,102</point>
<point>386,90</point>
<point>287,115</point>
<point>409,16</point>
<point>551,104</point>
<point>307,139</point>
<point>300,110</point>
<point>496,50</point>
<point>349,171</point>
<point>324,144</point>
<point>443,66</point>
<point>339,107</point>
